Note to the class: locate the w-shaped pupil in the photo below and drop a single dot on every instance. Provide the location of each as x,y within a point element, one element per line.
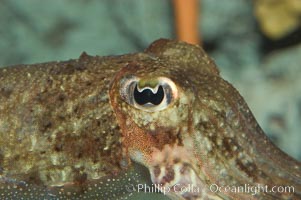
<point>147,96</point>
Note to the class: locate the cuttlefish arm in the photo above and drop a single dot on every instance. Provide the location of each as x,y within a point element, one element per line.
<point>128,184</point>
<point>193,130</point>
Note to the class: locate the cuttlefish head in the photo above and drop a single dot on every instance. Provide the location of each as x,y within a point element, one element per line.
<point>154,101</point>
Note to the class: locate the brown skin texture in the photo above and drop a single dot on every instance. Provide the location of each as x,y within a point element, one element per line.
<point>56,119</point>
<point>57,128</point>
<point>214,133</point>
<point>65,123</point>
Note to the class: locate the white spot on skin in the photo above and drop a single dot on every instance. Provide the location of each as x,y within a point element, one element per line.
<point>138,156</point>
<point>174,117</point>
<point>236,123</point>
<point>207,144</point>
<point>220,124</point>
<point>152,127</point>
<point>33,140</point>
<point>184,99</point>
<point>223,172</point>
<point>214,105</point>
<point>219,142</point>
<point>240,155</point>
<point>54,159</point>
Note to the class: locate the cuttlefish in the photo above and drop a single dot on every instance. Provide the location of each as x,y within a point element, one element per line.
<point>164,119</point>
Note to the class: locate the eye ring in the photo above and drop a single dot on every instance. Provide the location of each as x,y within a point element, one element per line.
<point>148,94</point>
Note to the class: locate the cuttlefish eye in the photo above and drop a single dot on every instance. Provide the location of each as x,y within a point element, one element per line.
<point>148,94</point>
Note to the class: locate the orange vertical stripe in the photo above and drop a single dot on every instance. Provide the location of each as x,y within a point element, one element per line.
<point>186,18</point>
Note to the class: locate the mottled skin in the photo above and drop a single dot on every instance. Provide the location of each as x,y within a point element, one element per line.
<point>57,128</point>
<point>56,121</point>
<point>66,124</point>
<point>206,135</point>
